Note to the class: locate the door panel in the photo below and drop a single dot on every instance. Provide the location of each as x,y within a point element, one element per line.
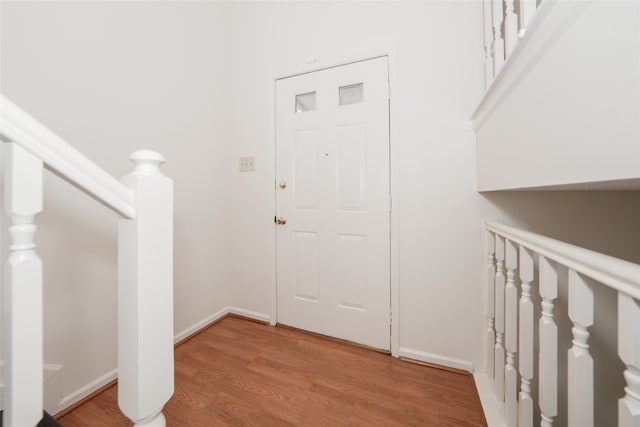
<point>332,152</point>
<point>305,169</point>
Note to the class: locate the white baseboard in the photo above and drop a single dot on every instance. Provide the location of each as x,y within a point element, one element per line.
<point>87,389</point>
<point>201,324</point>
<point>493,410</point>
<point>436,359</point>
<point>250,314</point>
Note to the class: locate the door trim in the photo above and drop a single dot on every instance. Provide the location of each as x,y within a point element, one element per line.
<point>394,226</point>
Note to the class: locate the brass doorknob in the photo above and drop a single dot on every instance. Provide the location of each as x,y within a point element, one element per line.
<point>281,220</point>
<point>283,184</point>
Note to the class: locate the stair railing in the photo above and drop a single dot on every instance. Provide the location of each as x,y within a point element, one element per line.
<point>143,200</point>
<point>504,25</point>
<point>514,256</point>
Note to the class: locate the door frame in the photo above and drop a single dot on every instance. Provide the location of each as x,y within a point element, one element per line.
<point>390,52</point>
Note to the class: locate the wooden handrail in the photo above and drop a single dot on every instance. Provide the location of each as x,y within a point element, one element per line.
<point>623,276</point>
<point>64,160</point>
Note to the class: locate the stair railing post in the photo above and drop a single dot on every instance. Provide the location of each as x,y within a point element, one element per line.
<point>498,40</point>
<point>548,330</point>
<point>629,351</point>
<point>22,316</point>
<point>490,282</point>
<point>487,7</point>
<point>499,355</point>
<point>525,337</point>
<point>510,27</point>
<point>145,294</point>
<point>511,336</point>
<point>580,363</point>
<point>527,9</point>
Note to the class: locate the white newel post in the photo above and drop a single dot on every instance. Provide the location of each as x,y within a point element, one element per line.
<point>511,336</point>
<point>525,404</point>
<point>548,361</point>
<point>22,291</point>
<point>580,363</point>
<point>629,351</point>
<point>491,277</point>
<point>145,294</point>
<point>499,307</point>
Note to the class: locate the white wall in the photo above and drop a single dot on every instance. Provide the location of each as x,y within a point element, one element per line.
<point>437,81</point>
<point>111,78</point>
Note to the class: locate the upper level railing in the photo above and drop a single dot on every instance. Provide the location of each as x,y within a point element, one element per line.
<point>505,22</point>
<point>144,201</point>
<point>519,261</point>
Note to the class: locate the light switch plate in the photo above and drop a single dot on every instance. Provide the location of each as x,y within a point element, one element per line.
<point>247,164</point>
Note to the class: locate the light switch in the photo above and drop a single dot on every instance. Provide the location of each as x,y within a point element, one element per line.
<point>247,164</point>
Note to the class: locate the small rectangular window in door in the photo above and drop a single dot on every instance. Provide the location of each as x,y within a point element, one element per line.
<point>351,94</point>
<point>305,102</point>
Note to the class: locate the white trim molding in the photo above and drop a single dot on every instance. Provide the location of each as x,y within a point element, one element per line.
<point>250,314</point>
<point>200,325</point>
<point>436,359</point>
<point>87,389</point>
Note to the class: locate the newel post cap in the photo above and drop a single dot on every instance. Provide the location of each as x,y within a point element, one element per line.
<point>147,161</point>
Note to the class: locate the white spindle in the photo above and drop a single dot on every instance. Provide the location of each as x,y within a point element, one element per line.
<point>527,9</point>
<point>497,12</point>
<point>491,275</point>
<point>488,44</point>
<point>525,404</point>
<point>511,336</point>
<point>22,291</point>
<point>499,324</point>
<point>580,363</point>
<point>145,294</point>
<point>510,27</point>
<point>629,351</point>
<point>548,369</point>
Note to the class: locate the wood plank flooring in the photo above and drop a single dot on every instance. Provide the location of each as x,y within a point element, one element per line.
<point>239,372</point>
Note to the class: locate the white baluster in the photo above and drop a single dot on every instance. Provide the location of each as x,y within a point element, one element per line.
<point>511,337</point>
<point>498,42</point>
<point>525,405</point>
<point>488,45</point>
<point>491,276</point>
<point>510,27</point>
<point>145,294</point>
<point>580,363</point>
<point>629,351</point>
<point>22,291</point>
<point>548,369</point>
<point>499,311</point>
<point>527,9</point>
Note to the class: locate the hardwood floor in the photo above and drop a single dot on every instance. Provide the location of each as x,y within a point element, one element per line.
<point>239,372</point>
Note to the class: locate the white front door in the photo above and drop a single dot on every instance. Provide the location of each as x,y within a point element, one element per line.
<point>332,172</point>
